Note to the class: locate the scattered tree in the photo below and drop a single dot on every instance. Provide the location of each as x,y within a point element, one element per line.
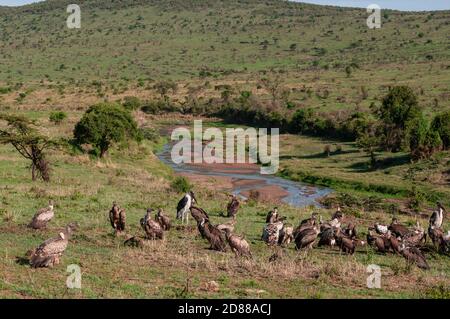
<point>104,124</point>
<point>25,138</point>
<point>399,107</point>
<point>57,117</point>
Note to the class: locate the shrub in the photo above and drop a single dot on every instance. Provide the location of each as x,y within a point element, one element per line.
<point>399,107</point>
<point>423,141</point>
<point>441,125</point>
<point>181,184</point>
<point>159,107</point>
<point>131,103</point>
<point>57,117</point>
<point>104,124</point>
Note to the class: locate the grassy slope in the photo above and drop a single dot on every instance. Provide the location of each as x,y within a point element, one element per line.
<point>84,189</point>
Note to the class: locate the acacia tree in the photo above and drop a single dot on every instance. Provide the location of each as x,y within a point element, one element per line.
<point>20,133</point>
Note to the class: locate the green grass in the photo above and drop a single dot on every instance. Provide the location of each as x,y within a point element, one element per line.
<point>84,189</point>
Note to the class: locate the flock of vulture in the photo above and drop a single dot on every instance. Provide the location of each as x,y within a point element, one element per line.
<point>395,238</point>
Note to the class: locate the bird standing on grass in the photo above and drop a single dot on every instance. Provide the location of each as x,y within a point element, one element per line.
<point>117,217</point>
<point>214,236</point>
<point>48,254</point>
<point>233,206</point>
<point>153,230</point>
<point>184,205</point>
<point>238,244</point>
<point>307,237</point>
<point>163,220</point>
<point>42,217</point>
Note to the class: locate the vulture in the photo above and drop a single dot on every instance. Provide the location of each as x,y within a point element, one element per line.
<point>117,218</point>
<point>233,207</point>
<point>163,220</point>
<point>134,242</point>
<point>306,238</point>
<point>414,255</point>
<point>439,239</point>
<point>327,236</point>
<point>48,254</point>
<point>307,223</point>
<point>214,236</point>
<point>42,217</point>
<point>228,225</point>
<point>350,231</point>
<point>184,205</point>
<point>286,235</point>
<point>381,229</point>
<point>272,216</point>
<point>271,233</point>
<point>416,236</point>
<point>437,217</point>
<point>383,243</point>
<point>199,214</point>
<point>398,229</point>
<point>153,230</point>
<point>238,244</point>
<point>338,214</point>
<point>347,244</point>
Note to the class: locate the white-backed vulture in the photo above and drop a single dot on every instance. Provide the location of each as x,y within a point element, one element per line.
<point>153,230</point>
<point>272,216</point>
<point>307,237</point>
<point>163,220</point>
<point>228,225</point>
<point>271,233</point>
<point>42,216</point>
<point>398,229</point>
<point>381,229</point>
<point>184,205</point>
<point>414,255</point>
<point>233,207</point>
<point>238,244</point>
<point>286,235</point>
<point>214,236</point>
<point>117,217</point>
<point>48,254</point>
<point>437,217</point>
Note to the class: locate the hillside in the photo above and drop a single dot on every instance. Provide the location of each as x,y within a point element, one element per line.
<point>178,39</point>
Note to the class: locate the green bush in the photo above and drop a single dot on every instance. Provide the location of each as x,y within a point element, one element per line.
<point>159,107</point>
<point>423,141</point>
<point>131,103</point>
<point>181,184</point>
<point>399,107</point>
<point>57,117</point>
<point>104,124</point>
<point>441,125</point>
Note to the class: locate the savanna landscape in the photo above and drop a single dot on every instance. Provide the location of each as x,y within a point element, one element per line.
<point>85,115</point>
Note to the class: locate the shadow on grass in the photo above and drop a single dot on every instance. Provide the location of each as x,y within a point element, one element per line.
<point>23,261</point>
<point>318,155</point>
<point>389,162</point>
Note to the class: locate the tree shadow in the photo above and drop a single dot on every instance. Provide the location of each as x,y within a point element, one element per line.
<point>318,155</point>
<point>381,164</point>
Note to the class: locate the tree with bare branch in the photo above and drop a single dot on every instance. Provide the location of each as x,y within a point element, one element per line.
<point>21,133</point>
